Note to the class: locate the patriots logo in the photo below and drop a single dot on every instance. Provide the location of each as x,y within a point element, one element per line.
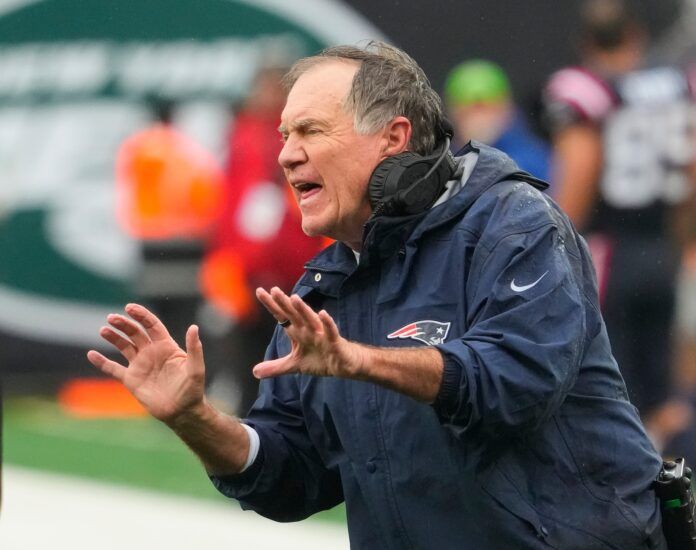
<point>428,332</point>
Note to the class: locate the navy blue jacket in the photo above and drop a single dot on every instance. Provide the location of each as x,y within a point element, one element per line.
<point>531,443</point>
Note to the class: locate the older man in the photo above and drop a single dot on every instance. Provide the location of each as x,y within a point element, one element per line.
<point>442,368</point>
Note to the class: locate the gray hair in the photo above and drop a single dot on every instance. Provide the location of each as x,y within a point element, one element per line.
<point>388,83</point>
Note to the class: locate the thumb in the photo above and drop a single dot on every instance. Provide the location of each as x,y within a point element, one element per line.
<point>194,346</point>
<point>274,367</point>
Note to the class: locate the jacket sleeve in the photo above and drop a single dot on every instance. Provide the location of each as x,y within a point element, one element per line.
<point>521,350</point>
<point>288,480</point>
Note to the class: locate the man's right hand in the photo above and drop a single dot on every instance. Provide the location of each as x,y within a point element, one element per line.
<point>164,378</point>
<point>170,384</point>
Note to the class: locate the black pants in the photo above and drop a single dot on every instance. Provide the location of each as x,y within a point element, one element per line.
<point>639,312</point>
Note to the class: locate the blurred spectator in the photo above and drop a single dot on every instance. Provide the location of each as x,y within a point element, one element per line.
<point>258,241</point>
<point>481,107</point>
<point>168,196</point>
<point>624,153</point>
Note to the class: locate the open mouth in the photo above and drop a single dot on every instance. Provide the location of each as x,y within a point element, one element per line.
<point>307,189</point>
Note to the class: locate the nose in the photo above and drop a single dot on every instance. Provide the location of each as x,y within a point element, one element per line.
<point>292,154</point>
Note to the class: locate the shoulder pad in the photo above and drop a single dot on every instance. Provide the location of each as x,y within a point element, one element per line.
<point>587,96</point>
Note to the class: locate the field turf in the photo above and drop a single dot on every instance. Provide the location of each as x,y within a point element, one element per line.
<point>139,452</point>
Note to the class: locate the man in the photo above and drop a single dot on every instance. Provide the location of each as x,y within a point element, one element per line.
<point>445,372</point>
<point>624,140</point>
<point>479,100</point>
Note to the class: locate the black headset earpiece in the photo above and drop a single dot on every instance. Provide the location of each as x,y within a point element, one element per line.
<point>409,183</point>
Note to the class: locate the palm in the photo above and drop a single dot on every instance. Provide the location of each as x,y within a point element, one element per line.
<point>160,378</point>
<point>163,377</point>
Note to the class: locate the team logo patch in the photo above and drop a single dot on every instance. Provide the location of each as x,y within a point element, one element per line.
<point>428,332</point>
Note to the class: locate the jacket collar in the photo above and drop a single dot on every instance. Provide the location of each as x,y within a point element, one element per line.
<point>492,167</point>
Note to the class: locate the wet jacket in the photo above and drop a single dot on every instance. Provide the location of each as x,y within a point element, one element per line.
<point>531,442</point>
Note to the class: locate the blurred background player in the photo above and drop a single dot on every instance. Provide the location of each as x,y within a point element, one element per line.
<point>623,136</point>
<point>257,241</point>
<point>169,191</point>
<point>481,107</point>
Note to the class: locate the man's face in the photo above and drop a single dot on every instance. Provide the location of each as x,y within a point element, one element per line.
<point>325,161</point>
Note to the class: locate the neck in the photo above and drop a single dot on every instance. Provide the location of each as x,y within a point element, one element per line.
<point>354,246</point>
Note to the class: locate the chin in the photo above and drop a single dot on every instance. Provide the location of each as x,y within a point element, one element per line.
<point>315,230</point>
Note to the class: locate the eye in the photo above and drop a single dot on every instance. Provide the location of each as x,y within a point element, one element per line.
<point>310,130</point>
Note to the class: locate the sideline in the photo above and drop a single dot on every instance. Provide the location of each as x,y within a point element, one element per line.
<point>42,510</point>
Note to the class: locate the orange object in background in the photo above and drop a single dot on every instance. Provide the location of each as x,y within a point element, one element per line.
<point>98,398</point>
<point>168,186</point>
<point>223,282</point>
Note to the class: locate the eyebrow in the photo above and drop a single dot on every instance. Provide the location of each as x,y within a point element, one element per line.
<point>300,125</point>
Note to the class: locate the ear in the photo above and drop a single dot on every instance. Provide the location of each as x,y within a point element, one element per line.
<point>397,136</point>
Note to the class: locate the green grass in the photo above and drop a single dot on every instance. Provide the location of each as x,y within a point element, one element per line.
<point>139,452</point>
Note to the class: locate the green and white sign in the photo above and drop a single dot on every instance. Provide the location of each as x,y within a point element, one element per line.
<point>73,76</point>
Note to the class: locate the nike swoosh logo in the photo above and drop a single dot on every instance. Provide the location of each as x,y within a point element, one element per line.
<point>522,288</point>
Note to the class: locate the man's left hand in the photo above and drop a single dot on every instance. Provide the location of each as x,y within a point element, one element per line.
<point>317,346</point>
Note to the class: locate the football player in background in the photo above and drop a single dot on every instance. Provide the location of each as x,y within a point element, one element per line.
<point>623,136</point>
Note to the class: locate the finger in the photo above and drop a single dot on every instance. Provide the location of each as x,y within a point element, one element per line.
<point>111,368</point>
<point>130,328</point>
<point>283,301</point>
<point>122,344</point>
<point>329,326</point>
<point>267,301</point>
<point>153,326</point>
<point>307,313</point>
<point>271,305</point>
<point>275,367</point>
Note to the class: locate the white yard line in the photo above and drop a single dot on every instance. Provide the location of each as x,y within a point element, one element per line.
<point>41,510</point>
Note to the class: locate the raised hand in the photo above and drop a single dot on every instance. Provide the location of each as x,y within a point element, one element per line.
<point>164,378</point>
<point>317,346</point>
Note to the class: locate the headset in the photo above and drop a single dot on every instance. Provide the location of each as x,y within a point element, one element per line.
<point>409,183</point>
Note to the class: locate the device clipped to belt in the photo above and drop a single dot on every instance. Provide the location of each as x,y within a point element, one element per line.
<point>673,488</point>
